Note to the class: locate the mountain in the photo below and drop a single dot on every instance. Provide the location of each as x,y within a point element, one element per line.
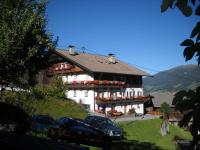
<point>172,80</point>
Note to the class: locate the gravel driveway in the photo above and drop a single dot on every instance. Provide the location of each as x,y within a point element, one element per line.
<point>128,117</point>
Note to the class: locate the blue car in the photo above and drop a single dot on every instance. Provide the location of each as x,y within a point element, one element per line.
<point>42,123</point>
<point>78,131</point>
<point>77,127</point>
<point>106,125</point>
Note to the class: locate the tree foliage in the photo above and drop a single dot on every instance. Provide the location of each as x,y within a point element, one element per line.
<point>165,109</point>
<point>187,7</point>
<point>188,103</point>
<point>56,89</point>
<point>24,41</point>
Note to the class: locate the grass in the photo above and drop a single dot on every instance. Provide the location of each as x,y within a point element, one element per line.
<point>53,106</point>
<point>58,108</point>
<point>148,131</point>
<point>145,134</point>
<point>139,134</point>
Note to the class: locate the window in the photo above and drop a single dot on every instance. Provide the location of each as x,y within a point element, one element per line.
<point>139,93</point>
<point>133,93</point>
<point>130,93</point>
<point>75,77</point>
<point>62,66</point>
<point>74,94</point>
<point>111,93</point>
<point>86,93</point>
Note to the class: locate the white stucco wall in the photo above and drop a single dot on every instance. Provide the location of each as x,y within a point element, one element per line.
<point>120,108</point>
<point>127,92</point>
<point>133,92</point>
<point>80,77</point>
<point>107,109</point>
<point>88,96</point>
<point>82,96</point>
<point>139,108</point>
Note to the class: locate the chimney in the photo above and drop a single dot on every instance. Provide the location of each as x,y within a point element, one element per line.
<point>111,58</point>
<point>71,50</point>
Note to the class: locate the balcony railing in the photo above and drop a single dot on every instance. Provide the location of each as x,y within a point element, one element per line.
<point>118,100</point>
<point>99,84</point>
<point>53,71</point>
<point>63,69</point>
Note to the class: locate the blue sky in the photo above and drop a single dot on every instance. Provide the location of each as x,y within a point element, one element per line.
<point>135,30</point>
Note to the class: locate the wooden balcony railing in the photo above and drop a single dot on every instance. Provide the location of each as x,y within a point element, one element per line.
<point>117,100</point>
<point>63,70</point>
<point>99,84</point>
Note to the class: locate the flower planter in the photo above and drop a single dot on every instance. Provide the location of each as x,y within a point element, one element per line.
<point>96,82</point>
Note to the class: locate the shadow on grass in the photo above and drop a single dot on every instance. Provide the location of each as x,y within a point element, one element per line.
<point>13,119</point>
<point>133,145</point>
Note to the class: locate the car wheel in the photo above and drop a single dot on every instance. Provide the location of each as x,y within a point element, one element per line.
<point>53,134</point>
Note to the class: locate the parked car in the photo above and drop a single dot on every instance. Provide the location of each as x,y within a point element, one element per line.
<point>42,123</point>
<point>106,125</point>
<point>78,131</point>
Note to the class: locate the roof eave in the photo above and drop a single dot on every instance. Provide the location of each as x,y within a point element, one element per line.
<point>121,73</point>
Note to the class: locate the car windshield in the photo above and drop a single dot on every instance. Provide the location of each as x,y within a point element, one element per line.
<point>107,121</point>
<point>99,120</point>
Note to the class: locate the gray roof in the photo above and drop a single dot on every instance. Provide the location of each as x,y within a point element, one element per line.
<point>161,97</point>
<point>98,63</point>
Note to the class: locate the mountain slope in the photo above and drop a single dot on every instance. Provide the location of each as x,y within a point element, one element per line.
<point>178,78</point>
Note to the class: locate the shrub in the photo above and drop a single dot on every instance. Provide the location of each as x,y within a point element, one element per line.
<point>55,89</point>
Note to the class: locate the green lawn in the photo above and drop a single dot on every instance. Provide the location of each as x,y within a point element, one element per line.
<point>145,135</point>
<point>148,131</point>
<point>58,108</point>
<point>139,134</point>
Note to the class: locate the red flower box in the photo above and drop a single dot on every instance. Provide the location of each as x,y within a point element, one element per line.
<point>96,82</point>
<point>100,82</point>
<point>106,82</point>
<point>110,98</point>
<point>122,83</point>
<point>89,82</point>
<point>115,82</point>
<point>68,67</point>
<point>74,82</point>
<point>119,98</point>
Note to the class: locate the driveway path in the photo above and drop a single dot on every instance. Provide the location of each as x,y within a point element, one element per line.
<point>128,117</point>
<point>133,118</point>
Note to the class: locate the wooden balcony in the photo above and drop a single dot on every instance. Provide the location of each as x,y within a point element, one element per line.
<point>99,84</point>
<point>57,70</point>
<point>120,100</point>
<point>92,86</point>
